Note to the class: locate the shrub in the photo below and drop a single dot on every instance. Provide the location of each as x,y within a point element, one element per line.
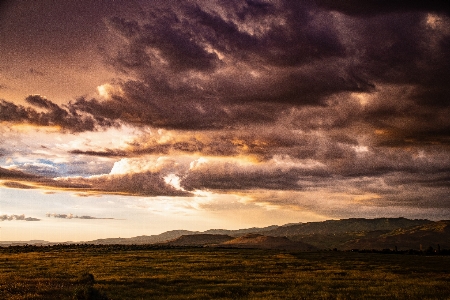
<point>86,290</point>
<point>86,278</point>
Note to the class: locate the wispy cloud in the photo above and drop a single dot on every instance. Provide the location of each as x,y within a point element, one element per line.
<point>71,216</point>
<point>17,218</point>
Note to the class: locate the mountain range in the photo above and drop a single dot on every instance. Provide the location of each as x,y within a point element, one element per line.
<point>344,234</point>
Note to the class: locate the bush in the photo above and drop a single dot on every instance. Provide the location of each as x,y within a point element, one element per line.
<point>86,278</point>
<point>86,290</point>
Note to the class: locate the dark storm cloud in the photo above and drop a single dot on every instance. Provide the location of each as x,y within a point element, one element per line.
<point>221,64</point>
<point>260,143</point>
<point>245,179</point>
<point>403,122</point>
<point>336,166</point>
<point>382,161</point>
<point>294,41</point>
<point>136,184</point>
<point>52,115</point>
<point>197,67</point>
<point>103,112</point>
<point>13,113</point>
<point>357,87</point>
<point>408,48</point>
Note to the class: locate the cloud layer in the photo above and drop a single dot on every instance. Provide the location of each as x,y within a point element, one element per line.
<point>247,97</point>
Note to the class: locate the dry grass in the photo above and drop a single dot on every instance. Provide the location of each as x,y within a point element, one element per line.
<point>221,274</point>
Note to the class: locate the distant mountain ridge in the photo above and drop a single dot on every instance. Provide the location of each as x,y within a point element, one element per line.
<point>344,234</point>
<point>239,232</point>
<point>201,239</point>
<point>144,239</point>
<point>345,226</point>
<point>255,240</point>
<point>435,235</point>
<point>249,240</point>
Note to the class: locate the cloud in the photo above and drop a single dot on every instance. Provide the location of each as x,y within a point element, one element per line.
<point>206,66</point>
<point>128,177</point>
<point>222,66</point>
<point>17,185</point>
<point>197,66</point>
<point>145,183</point>
<point>6,174</point>
<point>317,96</point>
<point>17,218</point>
<point>335,204</point>
<point>52,115</point>
<point>105,153</point>
<point>71,216</point>
<point>40,167</point>
<point>280,173</point>
<point>137,184</point>
<point>22,180</point>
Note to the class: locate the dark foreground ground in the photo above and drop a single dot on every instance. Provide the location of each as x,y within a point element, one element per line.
<point>206,273</point>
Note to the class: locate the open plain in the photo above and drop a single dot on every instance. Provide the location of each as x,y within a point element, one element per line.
<point>145,272</point>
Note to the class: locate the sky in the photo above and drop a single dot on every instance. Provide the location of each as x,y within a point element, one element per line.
<point>127,118</point>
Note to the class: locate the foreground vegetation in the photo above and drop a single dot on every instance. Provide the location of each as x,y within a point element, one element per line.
<point>79,272</point>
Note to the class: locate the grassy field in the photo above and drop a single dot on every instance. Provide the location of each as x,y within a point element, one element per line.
<point>108,273</point>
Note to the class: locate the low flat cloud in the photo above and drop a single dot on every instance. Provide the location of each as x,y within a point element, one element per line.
<point>17,218</point>
<point>6,174</point>
<point>148,184</point>
<point>71,216</point>
<point>23,180</point>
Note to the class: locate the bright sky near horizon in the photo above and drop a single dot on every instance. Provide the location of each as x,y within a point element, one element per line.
<point>125,118</point>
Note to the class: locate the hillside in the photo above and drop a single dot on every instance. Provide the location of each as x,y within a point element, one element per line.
<point>435,235</point>
<point>198,240</point>
<point>144,239</point>
<point>345,234</point>
<point>240,232</point>
<point>345,226</point>
<point>254,240</point>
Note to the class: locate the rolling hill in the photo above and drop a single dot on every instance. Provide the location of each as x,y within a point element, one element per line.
<point>435,235</point>
<point>345,226</point>
<point>201,239</point>
<point>345,234</point>
<point>255,240</point>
